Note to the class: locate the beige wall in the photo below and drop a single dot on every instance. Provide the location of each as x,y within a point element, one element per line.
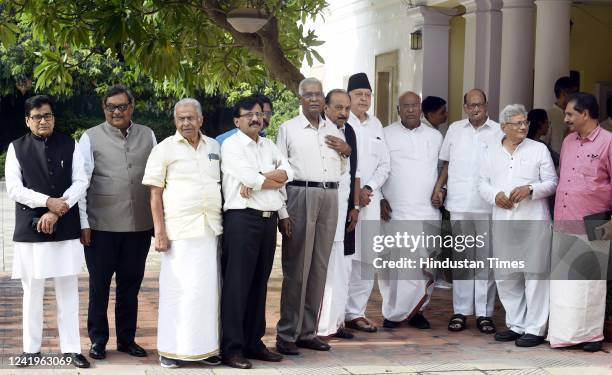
<point>455,68</point>
<point>591,45</point>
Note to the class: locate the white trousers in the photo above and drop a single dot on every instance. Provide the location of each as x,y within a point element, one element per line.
<point>526,303</point>
<point>67,298</point>
<point>335,296</point>
<point>474,296</point>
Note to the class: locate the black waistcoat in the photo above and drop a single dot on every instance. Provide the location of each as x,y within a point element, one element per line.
<point>351,139</point>
<point>46,167</point>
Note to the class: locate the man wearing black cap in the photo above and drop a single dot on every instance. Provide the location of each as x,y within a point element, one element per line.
<point>374,167</point>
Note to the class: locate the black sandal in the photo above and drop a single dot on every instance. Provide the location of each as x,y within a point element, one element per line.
<point>485,325</point>
<point>457,323</point>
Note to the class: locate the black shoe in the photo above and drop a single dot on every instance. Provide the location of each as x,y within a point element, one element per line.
<point>26,359</point>
<point>166,362</point>
<point>286,347</point>
<point>77,359</point>
<point>528,340</point>
<point>132,349</point>
<point>592,346</point>
<point>508,335</point>
<point>391,324</point>
<point>343,334</point>
<point>211,361</point>
<point>419,321</point>
<point>264,355</point>
<point>314,344</point>
<point>97,351</point>
<point>237,362</point>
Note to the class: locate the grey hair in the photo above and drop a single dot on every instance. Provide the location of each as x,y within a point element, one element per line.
<point>510,111</point>
<point>307,81</point>
<point>191,102</point>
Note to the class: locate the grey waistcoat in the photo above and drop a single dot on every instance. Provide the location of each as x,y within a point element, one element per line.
<point>116,199</point>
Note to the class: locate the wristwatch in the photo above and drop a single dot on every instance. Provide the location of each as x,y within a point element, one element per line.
<point>368,187</point>
<point>356,207</point>
<point>530,190</point>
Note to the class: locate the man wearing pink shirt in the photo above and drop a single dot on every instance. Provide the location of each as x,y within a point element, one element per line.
<point>577,304</point>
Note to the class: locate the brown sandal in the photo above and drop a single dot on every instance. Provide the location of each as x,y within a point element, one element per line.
<point>361,324</point>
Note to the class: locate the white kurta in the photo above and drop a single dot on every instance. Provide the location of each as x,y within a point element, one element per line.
<point>414,172</point>
<point>524,295</point>
<point>188,321</point>
<point>335,295</point>
<point>40,260</point>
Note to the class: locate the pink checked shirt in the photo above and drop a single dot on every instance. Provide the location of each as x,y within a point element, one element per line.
<point>585,182</point>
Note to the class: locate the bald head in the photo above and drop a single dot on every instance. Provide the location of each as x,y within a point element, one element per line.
<point>475,106</point>
<point>409,109</point>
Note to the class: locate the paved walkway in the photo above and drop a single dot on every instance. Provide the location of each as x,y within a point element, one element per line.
<point>401,351</point>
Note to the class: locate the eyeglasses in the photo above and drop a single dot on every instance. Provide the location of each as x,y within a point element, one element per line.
<point>410,106</point>
<point>38,118</point>
<point>251,114</point>
<point>312,95</point>
<point>474,105</point>
<point>517,124</point>
<point>110,108</point>
<point>187,119</point>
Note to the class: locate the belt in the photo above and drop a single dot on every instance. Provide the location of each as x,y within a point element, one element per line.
<point>264,214</point>
<point>324,185</point>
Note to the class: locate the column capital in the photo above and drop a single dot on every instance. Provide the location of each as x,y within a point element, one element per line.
<point>518,4</point>
<point>426,16</point>
<point>474,6</point>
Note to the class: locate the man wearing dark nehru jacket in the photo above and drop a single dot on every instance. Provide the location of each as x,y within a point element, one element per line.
<point>115,219</point>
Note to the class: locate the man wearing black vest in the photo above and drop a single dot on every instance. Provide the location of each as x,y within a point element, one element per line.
<point>116,219</point>
<point>45,177</point>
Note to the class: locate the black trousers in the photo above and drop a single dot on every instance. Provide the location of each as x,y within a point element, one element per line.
<point>123,254</point>
<point>249,242</point>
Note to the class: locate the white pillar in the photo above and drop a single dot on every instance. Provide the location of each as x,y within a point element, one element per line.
<point>516,76</point>
<point>482,58</point>
<point>552,53</point>
<point>432,60</point>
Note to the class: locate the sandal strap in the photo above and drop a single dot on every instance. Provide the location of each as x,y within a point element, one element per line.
<point>484,321</point>
<point>457,318</point>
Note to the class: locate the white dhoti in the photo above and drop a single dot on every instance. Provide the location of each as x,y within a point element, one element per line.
<point>331,317</point>
<point>474,295</point>
<point>33,262</point>
<point>188,322</point>
<point>577,307</point>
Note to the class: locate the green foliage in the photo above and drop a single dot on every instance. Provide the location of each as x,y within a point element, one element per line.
<point>2,162</point>
<point>181,47</point>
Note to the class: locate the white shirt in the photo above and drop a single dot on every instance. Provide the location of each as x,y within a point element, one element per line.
<point>530,164</point>
<point>41,260</point>
<point>463,148</point>
<point>89,163</point>
<point>373,156</point>
<point>191,179</point>
<point>309,156</point>
<point>244,161</point>
<point>414,171</point>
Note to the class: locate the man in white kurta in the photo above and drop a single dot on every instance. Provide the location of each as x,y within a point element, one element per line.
<point>517,177</point>
<point>462,150</point>
<point>45,177</point>
<point>183,172</point>
<point>331,318</point>
<point>414,149</point>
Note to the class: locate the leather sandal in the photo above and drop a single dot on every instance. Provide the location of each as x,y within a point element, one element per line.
<point>485,325</point>
<point>361,324</point>
<point>457,323</point>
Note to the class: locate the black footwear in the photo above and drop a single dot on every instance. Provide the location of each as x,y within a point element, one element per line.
<point>26,359</point>
<point>77,359</point>
<point>132,349</point>
<point>237,362</point>
<point>457,323</point>
<point>314,344</point>
<point>508,335</point>
<point>166,362</point>
<point>264,355</point>
<point>343,334</point>
<point>391,324</point>
<point>211,361</point>
<point>592,346</point>
<point>419,321</point>
<point>97,351</point>
<point>286,347</point>
<point>528,340</point>
<point>485,325</point>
